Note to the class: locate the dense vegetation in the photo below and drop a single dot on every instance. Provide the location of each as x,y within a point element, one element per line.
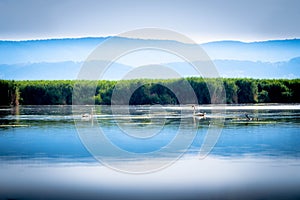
<point>239,90</point>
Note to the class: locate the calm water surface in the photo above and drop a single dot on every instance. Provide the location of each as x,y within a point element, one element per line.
<point>41,151</point>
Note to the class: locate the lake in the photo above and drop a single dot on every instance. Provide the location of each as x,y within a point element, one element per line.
<point>150,152</point>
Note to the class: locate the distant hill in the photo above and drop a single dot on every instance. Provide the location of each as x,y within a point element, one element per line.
<point>233,68</point>
<point>55,71</point>
<point>60,50</point>
<point>265,51</point>
<point>227,68</point>
<point>247,69</point>
<point>62,58</point>
<point>52,50</point>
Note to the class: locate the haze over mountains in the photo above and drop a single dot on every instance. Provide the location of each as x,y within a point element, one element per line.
<point>62,58</point>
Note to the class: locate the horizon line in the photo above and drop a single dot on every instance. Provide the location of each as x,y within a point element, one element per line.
<point>110,36</point>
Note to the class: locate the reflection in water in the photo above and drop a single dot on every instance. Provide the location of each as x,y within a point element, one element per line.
<point>24,128</point>
<point>40,145</point>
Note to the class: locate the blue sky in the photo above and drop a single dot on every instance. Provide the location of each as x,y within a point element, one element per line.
<point>201,20</point>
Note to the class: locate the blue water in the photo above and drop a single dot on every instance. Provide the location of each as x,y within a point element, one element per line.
<point>48,132</point>
<point>43,153</point>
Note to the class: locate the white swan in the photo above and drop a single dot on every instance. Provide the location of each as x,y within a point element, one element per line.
<point>198,114</point>
<point>88,116</point>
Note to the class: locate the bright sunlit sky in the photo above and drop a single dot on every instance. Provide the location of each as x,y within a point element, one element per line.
<point>201,20</point>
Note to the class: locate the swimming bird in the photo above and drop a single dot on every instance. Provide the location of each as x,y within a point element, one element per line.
<point>198,114</point>
<point>247,116</point>
<point>87,115</point>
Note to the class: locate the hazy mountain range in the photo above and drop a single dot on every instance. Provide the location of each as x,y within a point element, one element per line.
<point>62,58</point>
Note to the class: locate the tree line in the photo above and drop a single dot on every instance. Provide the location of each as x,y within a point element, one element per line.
<point>237,90</point>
